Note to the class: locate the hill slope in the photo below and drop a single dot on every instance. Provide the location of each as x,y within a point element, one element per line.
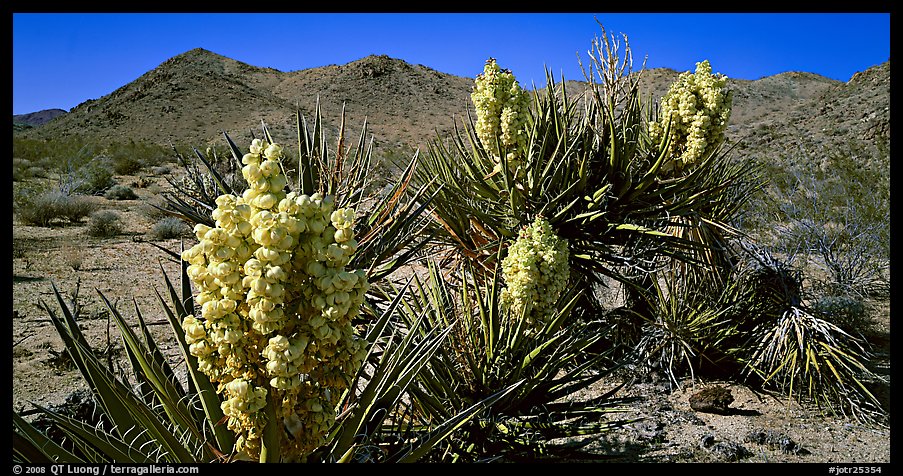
<point>37,118</point>
<point>193,97</point>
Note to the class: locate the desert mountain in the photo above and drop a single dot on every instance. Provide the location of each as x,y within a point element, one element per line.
<point>192,97</point>
<point>37,118</point>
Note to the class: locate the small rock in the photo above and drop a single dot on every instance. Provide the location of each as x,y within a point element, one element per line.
<point>729,451</point>
<point>691,418</point>
<point>707,440</point>
<point>649,430</point>
<point>775,440</point>
<point>712,400</point>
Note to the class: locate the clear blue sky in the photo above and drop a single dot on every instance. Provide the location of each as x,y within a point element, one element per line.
<point>61,60</point>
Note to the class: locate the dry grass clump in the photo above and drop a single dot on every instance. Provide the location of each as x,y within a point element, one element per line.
<point>169,228</point>
<point>46,208</point>
<point>120,192</point>
<point>104,224</point>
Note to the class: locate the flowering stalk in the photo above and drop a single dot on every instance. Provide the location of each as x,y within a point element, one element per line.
<point>698,107</point>
<point>502,108</point>
<point>276,308</point>
<point>536,272</point>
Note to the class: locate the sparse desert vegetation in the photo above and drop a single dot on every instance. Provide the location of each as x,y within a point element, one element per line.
<point>551,282</point>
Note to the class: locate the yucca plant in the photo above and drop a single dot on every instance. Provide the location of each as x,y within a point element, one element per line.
<point>271,325</point>
<point>788,346</point>
<point>493,349</point>
<point>689,330</point>
<point>149,415</point>
<point>594,172</point>
<point>391,220</point>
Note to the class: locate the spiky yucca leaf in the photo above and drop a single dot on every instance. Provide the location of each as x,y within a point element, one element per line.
<point>180,425</point>
<point>30,445</point>
<point>593,172</point>
<point>489,351</point>
<point>391,221</point>
<point>162,428</point>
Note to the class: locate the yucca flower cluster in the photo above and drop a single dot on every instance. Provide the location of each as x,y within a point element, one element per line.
<point>699,107</point>
<point>502,108</point>
<point>276,305</point>
<point>536,272</point>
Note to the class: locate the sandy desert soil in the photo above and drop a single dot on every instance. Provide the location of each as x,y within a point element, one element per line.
<point>127,270</point>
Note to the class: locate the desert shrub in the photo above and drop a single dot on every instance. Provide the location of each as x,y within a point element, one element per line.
<point>25,169</point>
<point>78,151</point>
<point>37,209</point>
<point>20,164</point>
<point>144,153</point>
<point>154,189</point>
<point>834,207</point>
<point>76,207</point>
<point>56,153</point>
<point>847,312</point>
<point>169,227</point>
<point>142,181</point>
<point>104,224</point>
<point>73,256</point>
<point>851,249</point>
<point>161,170</point>
<point>94,177</point>
<point>126,164</point>
<point>120,192</point>
<point>36,171</point>
<point>46,207</point>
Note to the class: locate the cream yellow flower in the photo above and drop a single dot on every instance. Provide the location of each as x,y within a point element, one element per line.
<point>276,304</point>
<point>502,109</point>
<point>698,108</point>
<point>535,273</point>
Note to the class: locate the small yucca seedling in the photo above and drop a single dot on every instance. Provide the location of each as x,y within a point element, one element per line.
<point>687,331</point>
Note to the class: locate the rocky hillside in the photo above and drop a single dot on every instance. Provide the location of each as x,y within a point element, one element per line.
<point>37,118</point>
<point>836,116</point>
<point>194,96</point>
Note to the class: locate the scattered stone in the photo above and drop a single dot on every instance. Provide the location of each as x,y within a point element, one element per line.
<point>79,405</point>
<point>712,400</point>
<point>775,440</point>
<point>729,451</point>
<point>649,430</point>
<point>707,440</point>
